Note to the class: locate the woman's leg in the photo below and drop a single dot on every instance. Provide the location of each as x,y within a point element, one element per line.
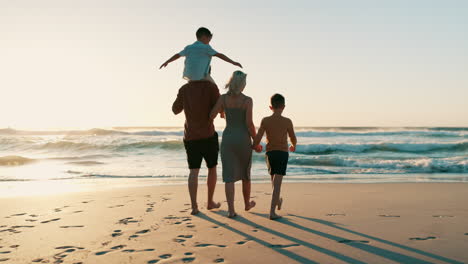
<point>246,192</point>
<point>277,180</point>
<point>229,188</point>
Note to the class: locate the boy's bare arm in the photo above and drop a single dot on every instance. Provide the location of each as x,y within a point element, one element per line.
<point>225,58</point>
<point>171,59</point>
<point>292,135</point>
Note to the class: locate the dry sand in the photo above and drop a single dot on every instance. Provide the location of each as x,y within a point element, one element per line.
<point>322,223</point>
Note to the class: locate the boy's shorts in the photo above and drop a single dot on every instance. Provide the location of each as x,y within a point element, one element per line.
<point>277,162</point>
<point>200,149</point>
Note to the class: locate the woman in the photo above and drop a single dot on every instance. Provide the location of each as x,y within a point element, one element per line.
<point>236,151</point>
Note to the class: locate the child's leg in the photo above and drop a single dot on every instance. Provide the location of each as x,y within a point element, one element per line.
<point>280,200</point>
<point>209,78</point>
<point>229,188</point>
<point>277,180</point>
<point>246,192</point>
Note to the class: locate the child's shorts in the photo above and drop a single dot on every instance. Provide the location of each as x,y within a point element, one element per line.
<point>277,162</point>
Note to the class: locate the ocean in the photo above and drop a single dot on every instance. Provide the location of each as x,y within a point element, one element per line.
<point>153,155</point>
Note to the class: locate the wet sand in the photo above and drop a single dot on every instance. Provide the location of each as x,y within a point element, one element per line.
<point>322,223</point>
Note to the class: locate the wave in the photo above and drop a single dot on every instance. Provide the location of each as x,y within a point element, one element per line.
<point>420,165</point>
<point>14,161</point>
<point>321,149</point>
<point>406,133</point>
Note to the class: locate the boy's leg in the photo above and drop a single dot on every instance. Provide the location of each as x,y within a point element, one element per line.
<point>212,177</point>
<point>229,188</point>
<point>277,180</point>
<point>193,186</point>
<point>246,193</point>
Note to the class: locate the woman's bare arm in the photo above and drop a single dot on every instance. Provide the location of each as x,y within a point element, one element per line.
<point>249,118</point>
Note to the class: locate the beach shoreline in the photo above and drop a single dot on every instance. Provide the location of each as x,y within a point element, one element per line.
<point>322,223</point>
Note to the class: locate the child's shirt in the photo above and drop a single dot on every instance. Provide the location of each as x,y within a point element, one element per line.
<point>197,60</point>
<point>277,128</point>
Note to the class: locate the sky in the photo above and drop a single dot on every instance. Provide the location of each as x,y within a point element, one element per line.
<point>85,64</point>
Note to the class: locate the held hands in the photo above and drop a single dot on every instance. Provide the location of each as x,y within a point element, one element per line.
<point>258,148</point>
<point>292,148</point>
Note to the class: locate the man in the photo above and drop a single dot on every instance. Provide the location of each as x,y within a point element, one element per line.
<point>196,99</point>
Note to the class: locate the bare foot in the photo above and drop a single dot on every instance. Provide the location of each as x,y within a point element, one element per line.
<point>232,215</point>
<point>280,202</point>
<point>194,211</point>
<point>250,205</point>
<point>213,205</point>
<point>274,216</point>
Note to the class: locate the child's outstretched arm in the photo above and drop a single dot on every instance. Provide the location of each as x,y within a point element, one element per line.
<point>171,59</point>
<point>226,59</point>
<point>292,137</point>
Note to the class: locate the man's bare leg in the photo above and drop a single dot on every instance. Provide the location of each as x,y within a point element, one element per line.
<point>212,177</point>
<point>246,193</point>
<point>277,180</point>
<point>229,188</point>
<point>193,186</point>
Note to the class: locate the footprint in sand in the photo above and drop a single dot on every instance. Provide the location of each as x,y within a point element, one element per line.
<point>242,242</point>
<point>219,260</point>
<point>3,259</point>
<point>5,252</point>
<point>23,226</point>
<point>466,234</point>
<point>85,202</point>
<point>188,253</point>
<point>100,253</point>
<point>143,231</point>
<point>210,245</point>
<point>118,247</point>
<point>284,246</point>
<point>335,214</point>
<point>14,246</point>
<point>51,220</point>
<point>346,241</point>
<point>190,226</point>
<point>165,256</point>
<point>442,216</point>
<point>128,250</point>
<point>187,260</point>
<point>153,261</point>
<point>117,233</point>
<point>37,260</point>
<point>389,215</point>
<point>75,212</point>
<point>72,226</point>
<point>127,220</point>
<point>179,240</point>
<point>115,206</point>
<point>422,238</point>
<point>20,214</point>
<point>31,220</point>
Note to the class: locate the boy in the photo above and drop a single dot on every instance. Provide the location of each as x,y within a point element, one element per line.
<point>198,57</point>
<point>277,129</point>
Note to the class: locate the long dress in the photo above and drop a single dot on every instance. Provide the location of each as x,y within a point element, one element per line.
<point>236,151</point>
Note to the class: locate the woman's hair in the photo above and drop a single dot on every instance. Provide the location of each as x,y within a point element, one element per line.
<point>237,83</point>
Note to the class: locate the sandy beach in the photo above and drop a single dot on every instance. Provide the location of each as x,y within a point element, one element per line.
<point>322,223</point>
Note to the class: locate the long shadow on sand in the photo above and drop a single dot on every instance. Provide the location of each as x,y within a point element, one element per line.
<point>398,257</point>
<point>284,252</point>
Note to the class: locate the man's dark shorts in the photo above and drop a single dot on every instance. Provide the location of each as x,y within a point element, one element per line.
<point>197,150</point>
<point>277,162</point>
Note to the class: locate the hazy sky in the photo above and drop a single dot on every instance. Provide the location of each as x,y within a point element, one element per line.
<point>94,63</point>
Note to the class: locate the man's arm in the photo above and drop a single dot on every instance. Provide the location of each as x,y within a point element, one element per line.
<point>178,104</point>
<point>171,59</point>
<point>225,58</point>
